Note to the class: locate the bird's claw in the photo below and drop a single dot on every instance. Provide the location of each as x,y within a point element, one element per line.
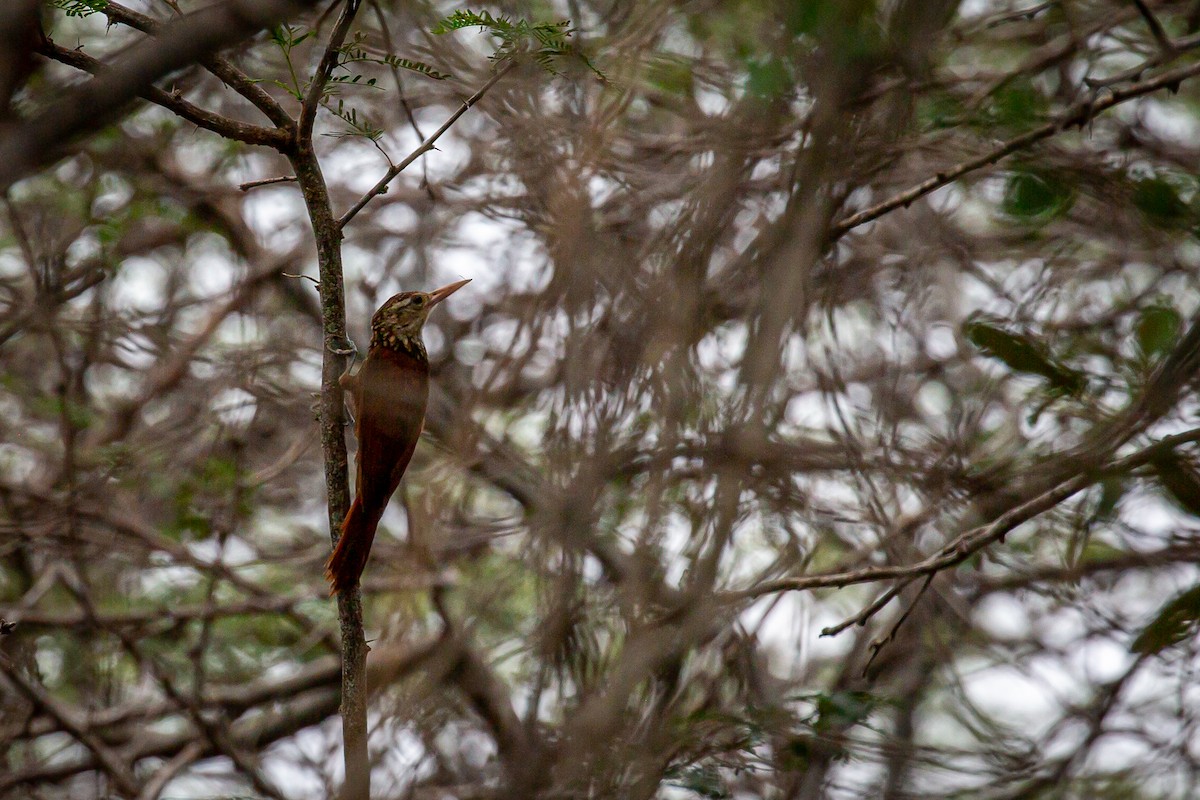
<point>342,347</point>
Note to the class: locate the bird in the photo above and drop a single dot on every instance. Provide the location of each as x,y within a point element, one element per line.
<point>388,396</point>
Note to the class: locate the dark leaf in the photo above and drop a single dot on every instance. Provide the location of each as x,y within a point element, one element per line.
<point>1157,330</point>
<point>1175,622</point>
<point>1036,196</point>
<point>1111,492</point>
<point>1021,354</point>
<point>1180,480</point>
<point>1158,200</point>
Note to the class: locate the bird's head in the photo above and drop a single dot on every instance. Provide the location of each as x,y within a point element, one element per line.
<point>397,324</point>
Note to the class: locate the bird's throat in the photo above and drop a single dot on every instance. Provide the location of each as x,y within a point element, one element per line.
<point>401,342</point>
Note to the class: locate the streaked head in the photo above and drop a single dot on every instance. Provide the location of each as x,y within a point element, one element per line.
<point>398,321</point>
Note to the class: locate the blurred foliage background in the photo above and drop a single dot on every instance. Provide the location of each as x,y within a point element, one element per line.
<point>817,423</point>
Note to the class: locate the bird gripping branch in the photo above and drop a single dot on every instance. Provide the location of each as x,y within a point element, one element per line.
<point>388,394</point>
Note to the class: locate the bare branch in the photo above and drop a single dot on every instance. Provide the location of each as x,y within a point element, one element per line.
<point>173,101</point>
<point>425,146</point>
<point>31,144</point>
<point>1077,115</point>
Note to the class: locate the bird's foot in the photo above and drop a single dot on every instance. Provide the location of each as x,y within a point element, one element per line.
<point>342,347</point>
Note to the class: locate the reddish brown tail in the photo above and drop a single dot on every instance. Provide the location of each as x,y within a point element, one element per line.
<point>349,558</point>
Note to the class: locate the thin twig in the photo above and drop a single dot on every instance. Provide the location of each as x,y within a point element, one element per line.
<point>220,67</point>
<point>1164,42</point>
<point>248,185</point>
<point>112,762</point>
<point>877,605</point>
<point>1078,114</point>
<point>82,109</point>
<point>425,146</point>
<point>976,539</point>
<point>386,32</point>
<point>1019,14</point>
<point>316,88</point>
<point>882,642</point>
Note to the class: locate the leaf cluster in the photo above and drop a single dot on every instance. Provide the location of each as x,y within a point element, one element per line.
<point>80,8</point>
<point>355,52</point>
<point>545,42</point>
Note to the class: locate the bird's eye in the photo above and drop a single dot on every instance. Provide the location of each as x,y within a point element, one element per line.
<point>419,300</point>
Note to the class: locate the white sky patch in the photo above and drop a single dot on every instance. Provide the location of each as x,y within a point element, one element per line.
<point>941,342</point>
<point>210,551</point>
<point>238,330</point>
<point>396,217</point>
<point>235,407</point>
<point>210,271</point>
<point>275,214</point>
<point>306,370</point>
<point>1016,696</point>
<point>308,745</point>
<point>807,410</point>
<point>1099,661</point>
<point>1170,121</point>
<point>935,401</point>
<point>138,284</point>
<point>115,193</point>
<point>1003,616</point>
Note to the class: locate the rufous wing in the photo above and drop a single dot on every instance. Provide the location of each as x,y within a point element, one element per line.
<point>389,394</point>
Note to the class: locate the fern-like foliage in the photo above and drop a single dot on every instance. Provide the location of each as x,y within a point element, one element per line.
<point>544,42</point>
<point>80,8</point>
<point>416,66</point>
<point>355,51</point>
<point>359,126</point>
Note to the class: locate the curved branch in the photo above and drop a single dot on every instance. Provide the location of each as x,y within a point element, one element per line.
<point>173,102</point>
<point>1079,114</point>
<point>83,109</point>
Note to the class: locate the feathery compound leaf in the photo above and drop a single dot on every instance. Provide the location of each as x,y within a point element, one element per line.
<point>417,66</point>
<point>466,18</point>
<point>80,8</point>
<point>543,42</point>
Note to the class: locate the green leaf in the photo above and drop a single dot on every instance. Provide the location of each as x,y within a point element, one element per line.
<point>1111,492</point>
<point>1035,195</point>
<point>838,710</point>
<point>804,16</point>
<point>1174,622</point>
<point>1178,477</point>
<point>80,8</point>
<point>1158,330</point>
<point>939,110</point>
<point>1018,104</point>
<point>417,66</point>
<point>1158,200</point>
<point>465,18</point>
<point>670,74</point>
<point>1022,354</point>
<point>768,78</point>
<point>544,41</point>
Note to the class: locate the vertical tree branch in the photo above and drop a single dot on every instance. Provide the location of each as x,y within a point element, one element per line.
<point>328,235</point>
<point>316,89</point>
<point>333,446</point>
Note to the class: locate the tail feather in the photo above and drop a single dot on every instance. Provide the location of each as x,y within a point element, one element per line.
<point>350,555</point>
